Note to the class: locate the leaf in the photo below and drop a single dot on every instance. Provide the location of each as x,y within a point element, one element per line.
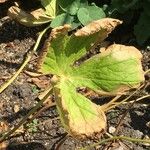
<point>72,6</point>
<point>74,46</point>
<point>76,23</point>
<point>87,14</point>
<point>62,20</point>
<point>34,18</point>
<point>116,69</point>
<point>79,115</point>
<point>50,7</point>
<point>142,30</point>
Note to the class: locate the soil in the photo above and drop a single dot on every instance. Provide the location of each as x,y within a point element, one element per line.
<point>48,134</point>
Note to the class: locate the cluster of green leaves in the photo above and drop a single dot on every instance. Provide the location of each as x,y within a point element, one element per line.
<point>73,12</point>
<point>130,8</point>
<point>76,13</point>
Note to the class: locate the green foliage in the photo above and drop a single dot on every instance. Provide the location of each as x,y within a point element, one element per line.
<point>89,13</point>
<point>77,12</point>
<point>62,19</point>
<point>128,9</point>
<point>72,6</point>
<point>116,69</point>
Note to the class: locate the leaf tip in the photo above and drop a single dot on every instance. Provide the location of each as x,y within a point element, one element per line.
<point>60,30</point>
<point>106,24</point>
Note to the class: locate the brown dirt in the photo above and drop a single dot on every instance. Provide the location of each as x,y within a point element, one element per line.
<point>15,41</point>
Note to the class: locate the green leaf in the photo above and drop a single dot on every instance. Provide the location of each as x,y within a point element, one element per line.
<point>87,14</point>
<point>75,24</point>
<point>114,70</point>
<point>50,7</point>
<point>72,6</point>
<point>142,30</point>
<point>61,20</point>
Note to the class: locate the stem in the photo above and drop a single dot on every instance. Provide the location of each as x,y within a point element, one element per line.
<point>147,71</point>
<point>7,83</point>
<point>139,99</point>
<point>26,117</point>
<point>113,103</point>
<point>117,138</point>
<point>105,107</point>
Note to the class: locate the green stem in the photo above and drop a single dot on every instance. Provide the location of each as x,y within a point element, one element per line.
<point>6,84</point>
<point>5,136</point>
<point>117,138</point>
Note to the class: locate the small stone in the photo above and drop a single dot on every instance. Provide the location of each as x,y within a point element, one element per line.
<point>111,129</point>
<point>148,47</point>
<point>138,134</point>
<point>148,124</point>
<point>16,108</point>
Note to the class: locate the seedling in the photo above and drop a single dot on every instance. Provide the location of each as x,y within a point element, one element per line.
<point>32,127</point>
<point>113,71</point>
<point>35,89</point>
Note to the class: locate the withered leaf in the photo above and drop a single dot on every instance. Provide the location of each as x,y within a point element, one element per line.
<point>34,18</point>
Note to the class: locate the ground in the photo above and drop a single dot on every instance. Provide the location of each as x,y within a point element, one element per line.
<point>46,132</point>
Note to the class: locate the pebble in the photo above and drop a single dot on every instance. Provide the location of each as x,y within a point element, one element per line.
<point>139,134</point>
<point>148,124</point>
<point>111,129</point>
<point>16,108</point>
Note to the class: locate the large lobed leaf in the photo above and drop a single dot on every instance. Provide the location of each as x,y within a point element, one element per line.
<point>114,70</point>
